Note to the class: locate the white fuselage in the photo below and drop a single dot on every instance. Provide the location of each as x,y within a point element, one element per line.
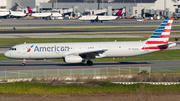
<point>56,15</point>
<point>41,14</point>
<point>17,14</point>
<point>60,50</point>
<point>2,14</point>
<point>107,17</point>
<point>88,18</point>
<point>101,18</point>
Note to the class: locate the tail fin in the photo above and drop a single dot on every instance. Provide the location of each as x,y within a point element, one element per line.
<point>29,10</point>
<point>162,33</point>
<point>160,37</point>
<point>119,13</point>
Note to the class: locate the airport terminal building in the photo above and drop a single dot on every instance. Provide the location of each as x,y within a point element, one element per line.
<point>137,8</point>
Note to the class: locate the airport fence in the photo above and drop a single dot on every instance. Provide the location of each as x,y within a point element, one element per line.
<point>86,24</point>
<point>93,72</point>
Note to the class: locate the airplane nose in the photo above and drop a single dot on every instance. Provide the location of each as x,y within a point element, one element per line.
<point>6,54</point>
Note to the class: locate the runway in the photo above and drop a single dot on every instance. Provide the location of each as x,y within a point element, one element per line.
<point>34,65</point>
<point>69,21</point>
<point>42,21</point>
<point>27,23</point>
<point>84,31</point>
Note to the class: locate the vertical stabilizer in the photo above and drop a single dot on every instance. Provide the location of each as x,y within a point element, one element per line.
<point>161,36</point>
<point>29,10</point>
<point>119,13</point>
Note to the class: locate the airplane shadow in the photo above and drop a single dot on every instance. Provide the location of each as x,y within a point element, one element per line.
<point>72,64</point>
<point>121,63</point>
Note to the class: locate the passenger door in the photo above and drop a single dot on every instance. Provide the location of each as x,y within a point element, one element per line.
<point>23,49</point>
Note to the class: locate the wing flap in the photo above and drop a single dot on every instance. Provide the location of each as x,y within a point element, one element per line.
<point>93,52</point>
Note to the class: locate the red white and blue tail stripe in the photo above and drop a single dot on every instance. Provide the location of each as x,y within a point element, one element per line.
<point>160,37</point>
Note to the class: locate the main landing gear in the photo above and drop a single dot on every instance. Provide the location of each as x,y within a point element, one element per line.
<point>24,62</point>
<point>89,63</point>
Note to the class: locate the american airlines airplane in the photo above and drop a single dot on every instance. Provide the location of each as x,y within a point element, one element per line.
<point>76,52</point>
<point>98,18</point>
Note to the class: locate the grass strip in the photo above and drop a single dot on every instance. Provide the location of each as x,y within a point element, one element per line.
<point>59,28</point>
<point>14,41</point>
<point>160,55</point>
<point>40,88</point>
<point>124,33</point>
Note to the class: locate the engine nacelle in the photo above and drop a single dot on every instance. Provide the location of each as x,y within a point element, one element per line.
<point>73,59</point>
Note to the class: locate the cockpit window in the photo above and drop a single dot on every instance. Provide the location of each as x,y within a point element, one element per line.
<point>13,49</point>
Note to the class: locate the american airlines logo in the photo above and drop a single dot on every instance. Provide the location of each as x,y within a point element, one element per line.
<point>30,48</point>
<point>51,49</point>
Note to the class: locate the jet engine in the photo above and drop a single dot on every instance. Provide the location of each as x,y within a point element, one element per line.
<point>73,59</point>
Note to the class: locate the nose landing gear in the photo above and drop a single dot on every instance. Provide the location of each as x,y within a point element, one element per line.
<point>24,62</point>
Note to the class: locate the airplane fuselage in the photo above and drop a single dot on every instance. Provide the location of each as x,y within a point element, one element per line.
<point>17,14</point>
<point>59,50</point>
<point>100,18</point>
<point>81,51</point>
<point>41,14</point>
<point>4,14</point>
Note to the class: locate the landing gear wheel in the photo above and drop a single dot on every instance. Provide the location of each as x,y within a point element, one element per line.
<point>23,64</point>
<point>89,63</point>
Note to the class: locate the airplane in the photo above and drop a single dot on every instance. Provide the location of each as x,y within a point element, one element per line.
<point>43,15</point>
<point>17,14</point>
<point>98,18</point>
<point>4,14</point>
<point>77,52</point>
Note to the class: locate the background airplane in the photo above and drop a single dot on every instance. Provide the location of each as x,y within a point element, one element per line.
<point>100,18</point>
<point>17,14</point>
<point>44,15</point>
<point>81,51</point>
<point>4,14</point>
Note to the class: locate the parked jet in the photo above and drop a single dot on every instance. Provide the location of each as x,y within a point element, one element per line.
<point>4,14</point>
<point>80,51</point>
<point>98,18</point>
<point>43,15</point>
<point>17,14</point>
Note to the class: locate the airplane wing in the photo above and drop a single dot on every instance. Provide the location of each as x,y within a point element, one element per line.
<point>89,53</point>
<point>93,52</point>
